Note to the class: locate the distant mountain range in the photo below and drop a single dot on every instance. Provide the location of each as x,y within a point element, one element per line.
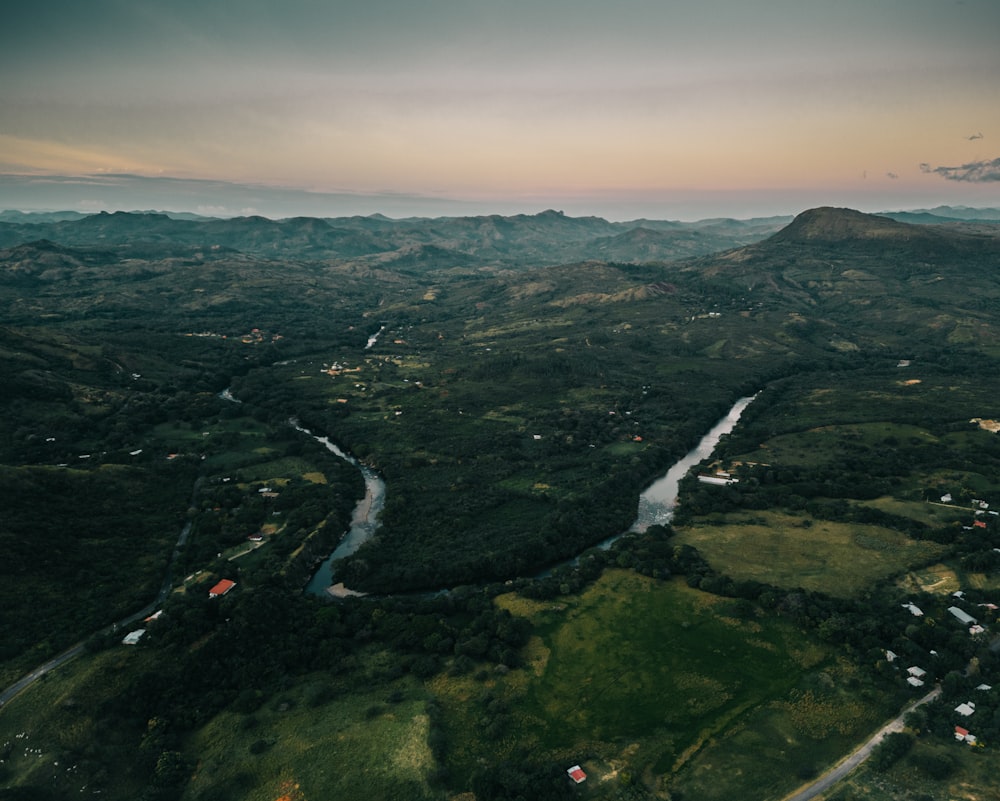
<point>545,238</point>
<point>945,214</point>
<point>549,237</point>
<point>826,263</point>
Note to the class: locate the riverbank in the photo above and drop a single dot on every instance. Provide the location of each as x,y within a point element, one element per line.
<point>655,504</point>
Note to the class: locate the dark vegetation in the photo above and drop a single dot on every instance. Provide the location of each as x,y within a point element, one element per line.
<point>516,401</point>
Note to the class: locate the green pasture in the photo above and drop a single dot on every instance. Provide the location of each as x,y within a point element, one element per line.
<point>827,444</point>
<point>916,396</point>
<point>317,740</point>
<point>238,459</point>
<point>219,438</point>
<point>973,776</point>
<point>622,449</point>
<point>936,579</point>
<point>969,482</point>
<point>633,677</point>
<point>945,578</point>
<point>283,468</point>
<point>780,745</point>
<point>55,733</point>
<point>842,559</point>
<point>933,514</point>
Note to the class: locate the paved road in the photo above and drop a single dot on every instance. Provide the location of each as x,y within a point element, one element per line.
<point>40,671</point>
<point>71,653</point>
<point>859,755</point>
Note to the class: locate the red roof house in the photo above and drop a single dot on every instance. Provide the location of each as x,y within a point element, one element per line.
<point>964,735</point>
<point>224,586</point>
<point>576,774</point>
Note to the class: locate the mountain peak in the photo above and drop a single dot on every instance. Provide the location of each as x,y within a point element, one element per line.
<point>828,224</point>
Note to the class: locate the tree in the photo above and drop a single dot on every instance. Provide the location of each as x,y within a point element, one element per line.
<point>893,748</point>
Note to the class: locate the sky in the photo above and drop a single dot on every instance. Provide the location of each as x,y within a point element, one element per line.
<point>636,108</point>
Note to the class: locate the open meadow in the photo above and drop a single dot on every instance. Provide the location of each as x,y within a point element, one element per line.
<point>656,683</point>
<point>786,550</point>
<point>316,740</point>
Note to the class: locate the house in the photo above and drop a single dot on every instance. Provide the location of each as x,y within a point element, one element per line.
<point>256,538</point>
<point>721,478</point>
<point>946,498</point>
<point>133,637</point>
<point>890,656</point>
<point>913,681</point>
<point>984,687</point>
<point>916,672</point>
<point>976,629</point>
<point>220,589</point>
<point>915,610</point>
<point>576,774</point>
<point>966,709</point>
<point>963,735</point>
<point>979,524</point>
<point>963,617</point>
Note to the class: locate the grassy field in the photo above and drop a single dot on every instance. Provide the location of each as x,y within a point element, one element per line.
<point>944,579</point>
<point>780,745</point>
<point>937,579</point>
<point>52,736</point>
<point>933,514</point>
<point>314,742</point>
<point>642,681</point>
<point>974,777</point>
<point>794,551</point>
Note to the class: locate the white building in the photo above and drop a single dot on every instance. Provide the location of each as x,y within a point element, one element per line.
<point>963,617</point>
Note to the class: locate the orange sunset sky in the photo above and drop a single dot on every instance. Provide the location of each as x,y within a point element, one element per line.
<point>634,108</point>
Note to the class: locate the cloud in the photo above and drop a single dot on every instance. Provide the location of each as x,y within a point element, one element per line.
<point>975,172</point>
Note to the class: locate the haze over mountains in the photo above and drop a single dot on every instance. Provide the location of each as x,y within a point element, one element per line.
<point>547,238</point>
<point>827,264</point>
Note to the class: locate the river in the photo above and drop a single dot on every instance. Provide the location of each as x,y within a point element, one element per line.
<point>363,523</point>
<point>656,502</point>
<point>374,338</point>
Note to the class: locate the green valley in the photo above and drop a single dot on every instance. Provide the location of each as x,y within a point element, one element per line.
<point>516,382</point>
